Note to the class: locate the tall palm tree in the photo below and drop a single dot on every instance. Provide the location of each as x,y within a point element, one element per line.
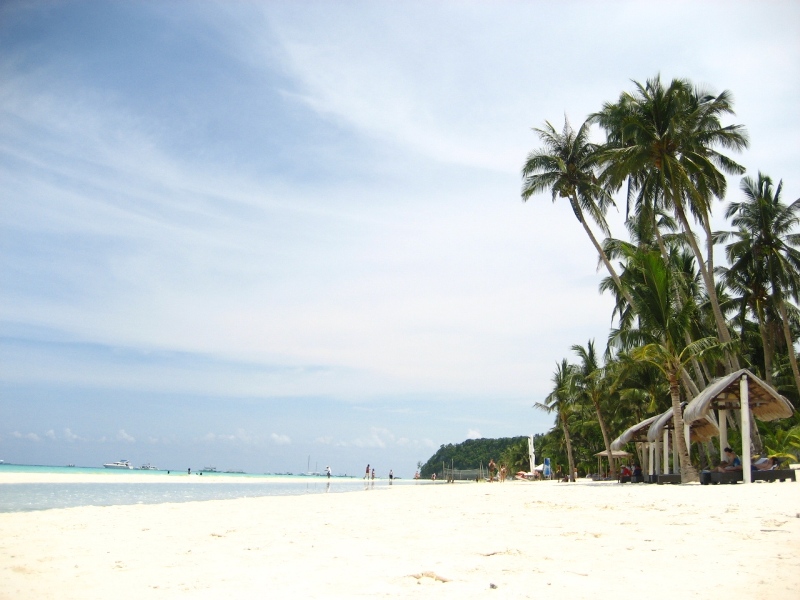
<point>561,401</point>
<point>765,248</point>
<point>591,384</point>
<point>659,338</point>
<point>566,166</point>
<point>664,139</point>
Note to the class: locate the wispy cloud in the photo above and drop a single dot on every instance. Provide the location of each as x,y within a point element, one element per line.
<point>280,439</point>
<point>124,436</point>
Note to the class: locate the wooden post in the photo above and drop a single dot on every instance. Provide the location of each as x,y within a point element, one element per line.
<point>666,451</point>
<point>675,462</point>
<point>650,462</point>
<point>723,430</point>
<point>744,402</point>
<point>657,450</point>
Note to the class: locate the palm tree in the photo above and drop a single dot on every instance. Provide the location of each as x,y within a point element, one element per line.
<point>591,384</point>
<point>765,253</point>
<point>566,167</point>
<point>561,401</point>
<point>663,139</point>
<point>659,338</point>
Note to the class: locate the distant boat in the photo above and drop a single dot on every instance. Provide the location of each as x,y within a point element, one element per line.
<point>209,469</point>
<point>120,464</point>
<point>148,467</point>
<point>234,471</point>
<point>70,465</point>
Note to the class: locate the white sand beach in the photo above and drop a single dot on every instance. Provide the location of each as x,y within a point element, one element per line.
<point>511,540</point>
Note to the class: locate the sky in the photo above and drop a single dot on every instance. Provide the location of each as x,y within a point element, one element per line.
<point>288,235</point>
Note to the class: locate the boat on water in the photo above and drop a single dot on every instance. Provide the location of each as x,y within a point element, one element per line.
<point>209,469</point>
<point>148,467</point>
<point>120,464</point>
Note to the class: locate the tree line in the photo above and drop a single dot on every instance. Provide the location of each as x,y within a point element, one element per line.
<point>471,454</point>
<point>681,318</point>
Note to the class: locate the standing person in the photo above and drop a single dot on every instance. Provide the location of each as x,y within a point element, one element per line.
<point>366,475</point>
<point>391,476</point>
<point>492,469</point>
<point>373,473</point>
<point>328,472</point>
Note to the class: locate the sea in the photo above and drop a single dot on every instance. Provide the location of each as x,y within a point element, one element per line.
<point>159,487</point>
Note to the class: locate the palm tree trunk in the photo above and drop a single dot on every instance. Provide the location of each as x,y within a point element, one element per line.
<point>687,338</point>
<point>766,342</point>
<point>688,472</point>
<point>606,441</point>
<point>579,214</point>
<point>787,333</point>
<point>708,280</point>
<point>567,440</point>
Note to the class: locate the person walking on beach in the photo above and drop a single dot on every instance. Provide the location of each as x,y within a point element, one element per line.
<point>391,476</point>
<point>328,472</point>
<point>373,473</point>
<point>366,475</point>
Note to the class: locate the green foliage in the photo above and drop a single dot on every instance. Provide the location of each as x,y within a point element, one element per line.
<point>471,454</point>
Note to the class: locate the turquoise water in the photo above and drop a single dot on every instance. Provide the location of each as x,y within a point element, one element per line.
<point>158,487</point>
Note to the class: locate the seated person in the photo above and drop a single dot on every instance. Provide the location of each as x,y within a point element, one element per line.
<point>625,471</point>
<point>637,471</point>
<point>765,464</point>
<point>731,463</point>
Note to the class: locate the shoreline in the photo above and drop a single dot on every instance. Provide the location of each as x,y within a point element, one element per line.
<point>529,540</point>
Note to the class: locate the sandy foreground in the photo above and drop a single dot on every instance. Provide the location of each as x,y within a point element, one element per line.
<point>511,540</point>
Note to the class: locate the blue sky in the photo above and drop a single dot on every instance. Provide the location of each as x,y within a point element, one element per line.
<point>242,234</point>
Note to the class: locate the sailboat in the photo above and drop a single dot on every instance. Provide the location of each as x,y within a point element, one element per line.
<point>309,472</point>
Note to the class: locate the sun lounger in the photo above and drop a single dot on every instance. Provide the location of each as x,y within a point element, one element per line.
<point>715,477</point>
<point>669,478</point>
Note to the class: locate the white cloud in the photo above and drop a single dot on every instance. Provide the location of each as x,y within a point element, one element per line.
<point>25,436</point>
<point>280,440</point>
<point>124,436</point>
<point>50,434</point>
<point>71,437</point>
<point>473,434</point>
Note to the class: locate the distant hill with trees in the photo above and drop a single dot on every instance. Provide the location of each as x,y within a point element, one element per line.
<point>470,454</point>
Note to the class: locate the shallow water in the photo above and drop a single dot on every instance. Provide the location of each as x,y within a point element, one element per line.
<point>159,487</point>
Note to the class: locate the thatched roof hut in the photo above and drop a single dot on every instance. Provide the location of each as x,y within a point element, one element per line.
<point>701,430</point>
<point>723,394</point>
<point>637,433</point>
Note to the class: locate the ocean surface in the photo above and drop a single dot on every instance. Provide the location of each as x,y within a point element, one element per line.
<point>158,487</point>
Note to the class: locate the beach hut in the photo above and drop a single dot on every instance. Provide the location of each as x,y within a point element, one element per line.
<point>700,430</point>
<point>743,391</point>
<point>615,455</point>
<point>638,435</point>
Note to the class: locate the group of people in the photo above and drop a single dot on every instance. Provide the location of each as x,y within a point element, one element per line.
<point>501,473</point>
<point>732,462</point>
<point>370,474</point>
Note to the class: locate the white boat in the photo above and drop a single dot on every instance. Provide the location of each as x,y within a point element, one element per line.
<point>120,464</point>
<point>148,467</point>
<point>209,469</point>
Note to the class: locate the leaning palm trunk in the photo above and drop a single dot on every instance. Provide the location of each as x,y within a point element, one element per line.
<point>567,440</point>
<point>787,333</point>
<point>603,256</point>
<point>688,472</point>
<point>604,431</point>
<point>708,279</point>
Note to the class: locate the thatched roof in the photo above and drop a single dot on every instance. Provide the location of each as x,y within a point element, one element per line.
<point>614,453</point>
<point>637,433</point>
<point>700,430</point>
<point>766,404</point>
